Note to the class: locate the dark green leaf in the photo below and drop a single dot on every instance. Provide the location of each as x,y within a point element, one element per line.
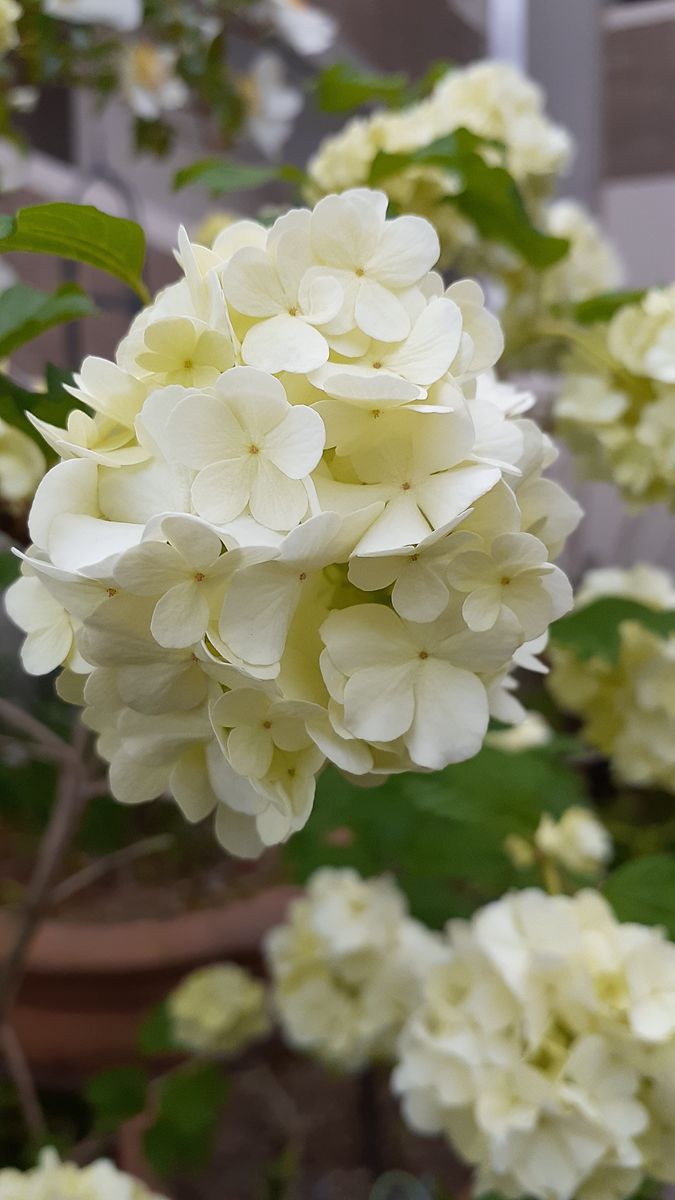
<point>52,405</point>
<point>595,629</point>
<point>224,175</point>
<point>155,1035</point>
<point>10,567</point>
<point>116,1095</point>
<point>343,86</point>
<point>486,194</point>
<point>603,307</point>
<point>644,891</point>
<point>442,835</point>
<point>82,233</point>
<point>25,313</point>
<point>188,1113</point>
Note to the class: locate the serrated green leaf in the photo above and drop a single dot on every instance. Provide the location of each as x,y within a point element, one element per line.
<point>224,175</point>
<point>189,1107</point>
<point>116,1095</point>
<point>155,1034</point>
<point>25,312</point>
<point>644,891</point>
<point>10,568</point>
<point>342,87</point>
<point>594,631</point>
<point>81,233</point>
<point>486,194</point>
<point>603,307</point>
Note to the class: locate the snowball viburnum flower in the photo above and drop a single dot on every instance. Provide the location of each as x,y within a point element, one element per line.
<point>246,563</point>
<point>251,448</point>
<point>514,575</point>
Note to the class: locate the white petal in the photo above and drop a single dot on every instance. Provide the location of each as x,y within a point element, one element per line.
<point>379,313</point>
<point>451,715</point>
<point>366,635</point>
<point>296,444</point>
<point>238,833</point>
<point>429,350</point>
<point>408,248</point>
<point>257,612</point>
<point>250,749</point>
<point>181,616</point>
<point>285,343</point>
<point>276,500</point>
<point>150,569</point>
<point>419,593</point>
<point>251,284</point>
<point>222,490</point>
<point>202,430</point>
<point>482,607</point>
<point>379,703</point>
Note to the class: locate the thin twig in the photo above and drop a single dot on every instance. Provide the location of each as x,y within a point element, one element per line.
<point>20,1074</point>
<point>94,871</point>
<point>24,723</point>
<point>70,801</point>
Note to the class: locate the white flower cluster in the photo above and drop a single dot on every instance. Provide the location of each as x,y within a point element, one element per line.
<point>218,1009</point>
<point>22,465</point>
<point>54,1180</point>
<point>590,267</point>
<point>617,407</point>
<point>491,99</point>
<point>577,841</point>
<point>298,526</point>
<point>627,709</point>
<point>544,1049</point>
<point>346,968</point>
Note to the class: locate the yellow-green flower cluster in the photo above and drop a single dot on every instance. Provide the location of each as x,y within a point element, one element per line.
<point>218,1010</point>
<point>617,404</point>
<point>627,708</point>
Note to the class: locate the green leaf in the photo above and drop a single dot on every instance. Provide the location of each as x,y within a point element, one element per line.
<point>25,312</point>
<point>188,1114</point>
<point>442,835</point>
<point>116,1095</point>
<point>155,1034</point>
<point>51,405</point>
<point>644,891</point>
<point>486,194</point>
<point>82,233</point>
<point>343,86</point>
<point>603,307</point>
<point>224,175</point>
<point>594,631</point>
<point>10,568</point>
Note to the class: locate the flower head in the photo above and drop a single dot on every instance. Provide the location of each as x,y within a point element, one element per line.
<point>254,554</point>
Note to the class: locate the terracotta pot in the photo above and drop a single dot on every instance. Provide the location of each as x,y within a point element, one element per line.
<point>88,986</point>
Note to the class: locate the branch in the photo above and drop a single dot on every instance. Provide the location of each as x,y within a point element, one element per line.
<point>45,737</point>
<point>70,800</point>
<point>95,870</point>
<point>19,1073</point>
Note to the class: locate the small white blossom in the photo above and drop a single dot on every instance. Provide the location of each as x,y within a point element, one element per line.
<point>101,1180</point>
<point>218,1010</point>
<point>578,841</point>
<point>149,81</point>
<point>271,104</point>
<point>346,968</point>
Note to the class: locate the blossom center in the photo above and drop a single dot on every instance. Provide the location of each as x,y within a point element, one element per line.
<point>188,364</point>
<point>254,449</point>
<point>505,580</point>
<point>413,557</point>
<point>267,724</point>
<point>423,654</point>
<point>199,576</point>
<point>359,271</point>
<point>376,412</point>
<point>293,310</point>
<point>111,591</point>
<point>405,487</point>
<point>377,366</point>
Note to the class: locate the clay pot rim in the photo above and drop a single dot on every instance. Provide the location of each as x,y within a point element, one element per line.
<point>151,943</point>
